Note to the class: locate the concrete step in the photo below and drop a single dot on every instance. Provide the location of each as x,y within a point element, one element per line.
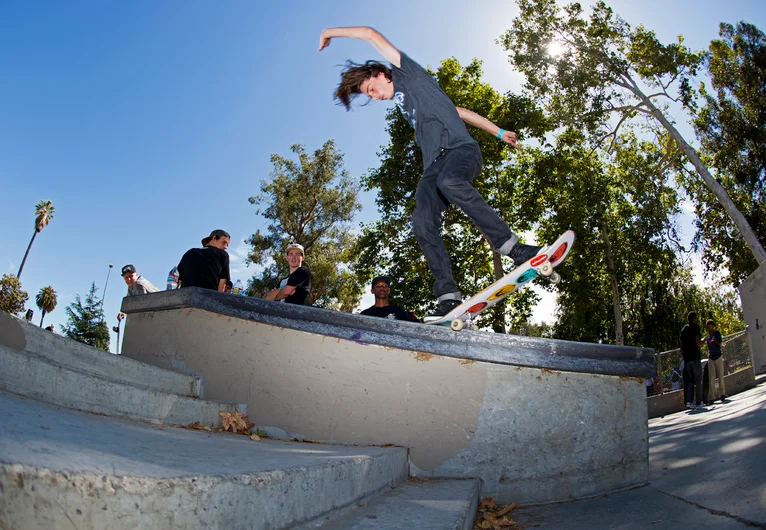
<point>21,335</point>
<point>65,469</point>
<point>28,374</point>
<point>425,505</point>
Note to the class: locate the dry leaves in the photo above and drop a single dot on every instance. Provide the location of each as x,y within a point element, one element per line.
<point>237,422</point>
<point>490,516</point>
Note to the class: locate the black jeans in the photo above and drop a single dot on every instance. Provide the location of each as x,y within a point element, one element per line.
<point>448,180</point>
<point>693,381</point>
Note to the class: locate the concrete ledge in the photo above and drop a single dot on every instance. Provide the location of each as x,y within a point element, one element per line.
<point>21,335</point>
<point>470,345</point>
<point>65,469</point>
<point>436,504</point>
<point>30,375</point>
<point>671,402</point>
<point>530,433</point>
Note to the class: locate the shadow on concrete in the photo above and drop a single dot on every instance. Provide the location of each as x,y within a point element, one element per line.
<point>706,470</point>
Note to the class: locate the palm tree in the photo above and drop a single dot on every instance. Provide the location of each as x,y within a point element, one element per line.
<point>44,215</point>
<point>46,300</point>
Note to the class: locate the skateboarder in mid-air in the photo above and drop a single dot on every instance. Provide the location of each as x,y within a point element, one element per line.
<point>451,157</point>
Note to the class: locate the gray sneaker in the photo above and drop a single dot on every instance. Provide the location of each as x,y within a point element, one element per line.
<point>521,253</point>
<point>445,306</point>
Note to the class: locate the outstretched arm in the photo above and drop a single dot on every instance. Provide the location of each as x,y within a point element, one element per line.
<point>484,124</point>
<point>380,43</point>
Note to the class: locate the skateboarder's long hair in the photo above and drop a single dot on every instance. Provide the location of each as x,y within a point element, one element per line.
<point>353,76</point>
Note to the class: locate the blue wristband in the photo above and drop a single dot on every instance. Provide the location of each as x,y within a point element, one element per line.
<point>500,133</point>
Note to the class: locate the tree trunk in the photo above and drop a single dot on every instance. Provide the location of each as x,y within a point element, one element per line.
<point>42,318</point>
<point>618,336</point>
<point>18,276</point>
<point>736,216</point>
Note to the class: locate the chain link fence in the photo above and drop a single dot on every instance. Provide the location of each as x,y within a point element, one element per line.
<point>736,356</point>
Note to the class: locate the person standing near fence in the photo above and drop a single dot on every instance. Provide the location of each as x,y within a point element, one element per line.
<point>715,359</point>
<point>690,351</point>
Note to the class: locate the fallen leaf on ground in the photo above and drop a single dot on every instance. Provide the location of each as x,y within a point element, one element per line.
<point>255,438</point>
<point>236,422</point>
<point>196,426</point>
<point>490,516</point>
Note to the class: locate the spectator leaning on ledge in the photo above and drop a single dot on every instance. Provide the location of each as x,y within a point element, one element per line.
<point>293,288</point>
<point>381,288</point>
<point>206,267</point>
<point>137,284</point>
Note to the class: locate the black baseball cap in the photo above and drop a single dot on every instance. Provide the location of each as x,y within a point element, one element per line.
<point>215,233</point>
<point>381,278</point>
<point>128,269</point>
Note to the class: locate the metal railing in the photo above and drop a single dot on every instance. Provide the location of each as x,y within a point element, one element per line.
<point>736,356</point>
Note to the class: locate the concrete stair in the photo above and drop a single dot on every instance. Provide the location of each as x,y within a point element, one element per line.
<point>41,365</point>
<point>422,504</point>
<point>61,468</point>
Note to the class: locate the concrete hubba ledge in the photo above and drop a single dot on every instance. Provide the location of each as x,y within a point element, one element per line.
<point>536,420</point>
<point>22,335</point>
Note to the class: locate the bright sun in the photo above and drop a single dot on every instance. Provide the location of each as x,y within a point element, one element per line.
<point>555,48</point>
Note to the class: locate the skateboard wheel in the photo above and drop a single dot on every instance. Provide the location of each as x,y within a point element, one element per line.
<point>546,269</point>
<point>555,278</point>
<point>457,324</point>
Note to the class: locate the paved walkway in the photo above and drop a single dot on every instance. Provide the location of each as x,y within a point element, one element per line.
<point>707,469</point>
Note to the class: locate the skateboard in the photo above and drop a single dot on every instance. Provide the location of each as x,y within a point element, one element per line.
<point>541,265</point>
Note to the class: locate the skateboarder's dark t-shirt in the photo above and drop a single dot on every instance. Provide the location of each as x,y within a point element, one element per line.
<point>689,334</point>
<point>204,267</point>
<point>301,280</point>
<point>391,311</point>
<point>428,109</point>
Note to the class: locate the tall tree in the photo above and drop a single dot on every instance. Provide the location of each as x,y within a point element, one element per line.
<point>43,215</point>
<point>86,321</point>
<point>598,74</point>
<point>622,206</point>
<point>46,300</point>
<point>12,297</point>
<point>311,201</point>
<point>731,126</point>
<point>389,246</point>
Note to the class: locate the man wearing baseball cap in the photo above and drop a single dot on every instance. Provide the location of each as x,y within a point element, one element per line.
<point>137,284</point>
<point>206,267</point>
<point>293,288</point>
<point>381,288</point>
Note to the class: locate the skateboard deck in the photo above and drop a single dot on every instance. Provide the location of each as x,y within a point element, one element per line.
<point>541,265</point>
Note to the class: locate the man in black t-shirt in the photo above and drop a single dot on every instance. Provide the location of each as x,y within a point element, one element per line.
<point>206,267</point>
<point>690,351</point>
<point>451,157</point>
<point>381,288</point>
<point>293,288</point>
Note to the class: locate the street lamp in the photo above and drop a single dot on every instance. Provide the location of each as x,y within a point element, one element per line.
<point>105,285</point>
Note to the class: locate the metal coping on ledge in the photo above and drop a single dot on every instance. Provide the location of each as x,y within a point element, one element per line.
<point>629,361</point>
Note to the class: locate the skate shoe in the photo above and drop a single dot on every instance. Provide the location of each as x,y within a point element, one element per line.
<point>521,253</point>
<point>445,306</point>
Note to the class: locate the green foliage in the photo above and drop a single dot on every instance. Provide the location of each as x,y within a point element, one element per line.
<point>311,201</point>
<point>86,321</point>
<point>388,246</point>
<point>46,301</point>
<point>12,297</point>
<point>731,126</point>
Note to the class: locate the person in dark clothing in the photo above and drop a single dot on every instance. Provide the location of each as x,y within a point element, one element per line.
<point>451,156</point>
<point>690,351</point>
<point>295,287</point>
<point>206,267</point>
<point>381,288</point>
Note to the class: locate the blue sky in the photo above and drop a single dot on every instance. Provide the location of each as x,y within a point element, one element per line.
<point>148,124</point>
